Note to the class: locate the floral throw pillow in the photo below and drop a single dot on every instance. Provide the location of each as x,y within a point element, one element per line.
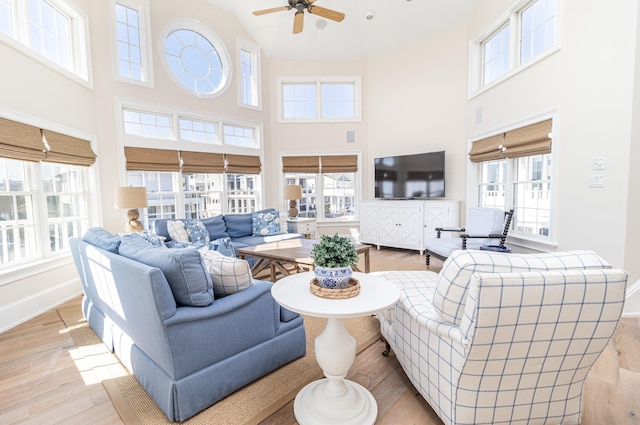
<point>265,223</point>
<point>198,233</point>
<point>223,246</point>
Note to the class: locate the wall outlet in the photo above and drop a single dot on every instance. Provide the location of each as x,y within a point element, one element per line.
<point>598,163</point>
<point>596,181</point>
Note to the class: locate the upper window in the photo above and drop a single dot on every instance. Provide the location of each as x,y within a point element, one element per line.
<point>249,61</point>
<point>198,131</point>
<point>51,28</point>
<point>197,59</point>
<point>529,31</point>
<point>133,61</point>
<point>238,135</point>
<point>147,124</point>
<point>321,99</point>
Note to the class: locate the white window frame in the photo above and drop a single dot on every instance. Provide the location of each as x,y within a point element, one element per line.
<point>213,38</point>
<point>512,18</point>
<point>146,49</point>
<point>318,81</point>
<point>540,242</point>
<point>79,27</point>
<point>256,74</point>
<point>319,188</point>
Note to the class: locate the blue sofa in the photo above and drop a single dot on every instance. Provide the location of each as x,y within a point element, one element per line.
<point>238,227</point>
<point>186,357</point>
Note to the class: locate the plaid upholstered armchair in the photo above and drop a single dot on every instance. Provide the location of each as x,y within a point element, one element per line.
<point>504,338</point>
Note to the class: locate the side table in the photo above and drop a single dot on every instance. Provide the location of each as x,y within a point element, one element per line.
<point>306,226</point>
<point>334,399</point>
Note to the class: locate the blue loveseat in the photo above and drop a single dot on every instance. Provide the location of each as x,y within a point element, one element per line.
<point>186,357</point>
<point>238,227</point>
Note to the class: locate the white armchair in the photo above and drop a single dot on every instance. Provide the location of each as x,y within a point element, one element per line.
<point>485,226</point>
<point>504,338</point>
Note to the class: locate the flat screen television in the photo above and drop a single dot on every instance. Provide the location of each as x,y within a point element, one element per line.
<point>416,176</point>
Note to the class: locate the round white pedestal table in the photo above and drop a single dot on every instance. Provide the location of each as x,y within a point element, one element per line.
<point>334,399</point>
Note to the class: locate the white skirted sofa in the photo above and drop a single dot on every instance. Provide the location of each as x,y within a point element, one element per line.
<point>499,338</point>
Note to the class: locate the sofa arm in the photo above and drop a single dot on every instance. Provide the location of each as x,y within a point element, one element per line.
<point>420,308</point>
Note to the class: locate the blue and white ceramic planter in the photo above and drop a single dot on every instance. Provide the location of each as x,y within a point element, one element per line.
<point>333,277</point>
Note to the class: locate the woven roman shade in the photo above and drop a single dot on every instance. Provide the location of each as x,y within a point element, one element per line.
<point>144,159</point>
<point>20,141</point>
<point>530,140</point>
<point>202,162</point>
<point>243,164</point>
<point>339,163</point>
<point>301,164</point>
<point>487,149</point>
<point>65,149</point>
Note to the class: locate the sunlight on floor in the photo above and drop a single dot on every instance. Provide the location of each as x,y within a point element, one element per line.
<point>96,364</point>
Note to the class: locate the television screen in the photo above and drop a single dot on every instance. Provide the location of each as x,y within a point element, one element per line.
<point>417,176</point>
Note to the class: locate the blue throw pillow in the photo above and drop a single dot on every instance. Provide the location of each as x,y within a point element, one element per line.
<point>198,234</point>
<point>223,246</point>
<point>265,223</point>
<point>97,236</point>
<point>151,238</point>
<point>184,269</point>
<point>216,227</point>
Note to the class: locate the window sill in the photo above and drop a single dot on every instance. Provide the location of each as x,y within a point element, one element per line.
<point>32,268</point>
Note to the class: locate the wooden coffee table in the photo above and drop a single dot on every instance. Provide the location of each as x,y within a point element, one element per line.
<point>290,256</point>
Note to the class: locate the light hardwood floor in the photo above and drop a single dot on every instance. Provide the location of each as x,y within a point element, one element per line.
<point>43,377</point>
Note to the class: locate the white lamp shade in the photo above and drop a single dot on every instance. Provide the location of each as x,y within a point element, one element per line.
<point>293,191</point>
<point>130,197</point>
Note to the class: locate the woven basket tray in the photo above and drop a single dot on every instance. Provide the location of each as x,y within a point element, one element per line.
<point>352,289</point>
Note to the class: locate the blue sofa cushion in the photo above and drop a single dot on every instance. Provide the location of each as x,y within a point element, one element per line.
<point>216,227</point>
<point>238,225</point>
<point>189,280</point>
<point>97,236</point>
<point>265,223</point>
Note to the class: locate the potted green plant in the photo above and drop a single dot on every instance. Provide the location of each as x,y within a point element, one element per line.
<point>333,258</point>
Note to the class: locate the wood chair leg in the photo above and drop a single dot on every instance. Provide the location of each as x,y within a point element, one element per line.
<point>387,347</point>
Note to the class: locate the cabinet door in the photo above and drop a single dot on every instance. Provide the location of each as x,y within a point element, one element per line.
<point>437,216</point>
<point>388,224</point>
<point>409,229</point>
<point>369,222</point>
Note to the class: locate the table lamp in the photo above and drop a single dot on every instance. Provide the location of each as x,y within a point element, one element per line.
<point>293,192</point>
<point>131,198</point>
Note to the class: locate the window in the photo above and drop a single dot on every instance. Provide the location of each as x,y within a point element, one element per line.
<point>249,69</point>
<point>514,170</point>
<point>53,29</point>
<point>329,185</point>
<point>242,193</point>
<point>146,124</point>
<point>198,131</point>
<point>520,39</point>
<point>196,59</point>
<point>43,205</point>
<point>162,194</point>
<point>326,99</point>
<point>238,135</point>
<point>203,195</point>
<point>131,37</point>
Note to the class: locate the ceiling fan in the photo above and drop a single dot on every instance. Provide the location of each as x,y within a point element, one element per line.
<point>300,6</point>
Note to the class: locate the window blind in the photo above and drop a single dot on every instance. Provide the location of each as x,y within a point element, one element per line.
<point>530,140</point>
<point>202,162</point>
<point>144,159</point>
<point>65,149</point>
<point>243,164</point>
<point>301,164</point>
<point>487,149</point>
<point>20,141</point>
<point>339,163</point>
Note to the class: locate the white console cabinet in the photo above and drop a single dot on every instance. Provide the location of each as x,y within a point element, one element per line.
<point>404,224</point>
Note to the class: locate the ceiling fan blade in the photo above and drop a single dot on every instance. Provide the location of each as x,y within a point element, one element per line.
<point>274,9</point>
<point>298,22</point>
<point>326,13</point>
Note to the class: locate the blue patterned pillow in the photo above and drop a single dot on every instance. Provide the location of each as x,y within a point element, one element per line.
<point>223,246</point>
<point>198,233</point>
<point>265,223</point>
<point>152,238</point>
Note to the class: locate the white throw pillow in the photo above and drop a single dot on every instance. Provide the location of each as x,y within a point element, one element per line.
<point>229,275</point>
<point>177,231</point>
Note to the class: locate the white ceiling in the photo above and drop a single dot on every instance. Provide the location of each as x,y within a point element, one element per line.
<point>395,23</point>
